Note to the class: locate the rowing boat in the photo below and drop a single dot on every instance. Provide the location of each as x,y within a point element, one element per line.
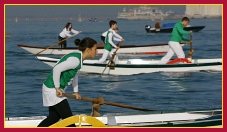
<point>139,66</point>
<point>149,29</point>
<point>151,49</point>
<point>202,118</point>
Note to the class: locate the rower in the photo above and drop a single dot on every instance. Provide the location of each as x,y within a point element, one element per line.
<point>66,33</point>
<point>176,38</point>
<point>157,26</point>
<point>109,44</point>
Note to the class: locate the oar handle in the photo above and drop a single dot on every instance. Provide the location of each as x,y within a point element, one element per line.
<point>100,100</point>
<point>96,101</point>
<point>69,95</point>
<point>190,35</point>
<point>191,41</point>
<point>191,50</point>
<point>111,59</point>
<point>114,53</point>
<point>126,106</point>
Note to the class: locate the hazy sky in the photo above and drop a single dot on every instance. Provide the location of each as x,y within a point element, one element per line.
<point>75,11</point>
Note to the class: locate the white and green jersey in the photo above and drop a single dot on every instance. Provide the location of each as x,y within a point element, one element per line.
<point>116,36</point>
<point>110,35</point>
<point>65,71</point>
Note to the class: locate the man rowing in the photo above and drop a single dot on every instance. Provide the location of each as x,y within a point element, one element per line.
<point>176,37</point>
<point>109,44</point>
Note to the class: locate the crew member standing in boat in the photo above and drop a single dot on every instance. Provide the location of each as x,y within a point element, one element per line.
<point>117,37</point>
<point>109,44</point>
<point>157,26</point>
<point>67,32</point>
<point>64,73</point>
<point>176,37</point>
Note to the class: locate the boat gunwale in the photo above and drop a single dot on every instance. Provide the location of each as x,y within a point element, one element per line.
<point>169,29</point>
<point>146,65</point>
<point>101,47</point>
<point>200,122</point>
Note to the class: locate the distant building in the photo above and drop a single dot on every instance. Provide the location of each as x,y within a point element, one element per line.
<point>203,11</point>
<point>144,12</point>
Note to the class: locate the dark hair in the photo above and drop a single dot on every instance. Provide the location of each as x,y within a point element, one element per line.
<point>85,43</point>
<point>67,26</point>
<point>185,19</point>
<point>112,22</point>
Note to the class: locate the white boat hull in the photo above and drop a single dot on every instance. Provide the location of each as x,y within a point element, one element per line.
<point>191,118</point>
<point>139,66</point>
<point>155,49</point>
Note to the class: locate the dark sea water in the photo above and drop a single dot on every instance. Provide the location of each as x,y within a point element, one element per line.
<point>158,91</point>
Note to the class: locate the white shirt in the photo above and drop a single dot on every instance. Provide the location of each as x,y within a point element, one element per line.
<point>66,33</point>
<point>116,36</point>
<point>49,94</point>
<point>70,63</point>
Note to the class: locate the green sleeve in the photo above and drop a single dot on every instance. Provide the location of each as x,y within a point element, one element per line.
<point>180,28</point>
<point>185,39</point>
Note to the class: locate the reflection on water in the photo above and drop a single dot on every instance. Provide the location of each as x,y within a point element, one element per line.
<point>176,74</point>
<point>111,86</point>
<point>177,85</point>
<point>175,80</point>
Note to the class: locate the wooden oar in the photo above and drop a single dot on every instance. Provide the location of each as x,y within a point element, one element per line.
<point>191,50</point>
<point>51,46</point>
<point>112,58</point>
<point>100,100</point>
<point>56,43</point>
